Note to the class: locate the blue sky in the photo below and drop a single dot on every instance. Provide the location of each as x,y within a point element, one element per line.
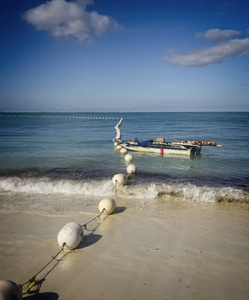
<point>133,55</point>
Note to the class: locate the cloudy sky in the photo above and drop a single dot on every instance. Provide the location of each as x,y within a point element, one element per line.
<point>124,55</point>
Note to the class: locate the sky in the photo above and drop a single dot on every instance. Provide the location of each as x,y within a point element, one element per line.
<point>124,55</point>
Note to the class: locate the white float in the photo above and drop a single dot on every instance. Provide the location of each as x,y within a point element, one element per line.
<point>128,157</point>
<point>131,169</point>
<point>71,234</point>
<point>119,179</point>
<point>115,144</point>
<point>109,204</point>
<point>9,290</point>
<point>118,147</point>
<point>123,151</point>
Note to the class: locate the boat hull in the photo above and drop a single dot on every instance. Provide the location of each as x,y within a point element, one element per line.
<point>169,150</point>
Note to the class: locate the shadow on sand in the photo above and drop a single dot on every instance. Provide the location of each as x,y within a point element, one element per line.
<point>43,296</point>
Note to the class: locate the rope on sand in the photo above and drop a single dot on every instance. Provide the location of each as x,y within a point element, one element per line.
<point>97,217</point>
<point>34,281</point>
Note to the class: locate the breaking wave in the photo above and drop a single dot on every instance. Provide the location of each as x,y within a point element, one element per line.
<point>51,186</point>
<point>104,188</point>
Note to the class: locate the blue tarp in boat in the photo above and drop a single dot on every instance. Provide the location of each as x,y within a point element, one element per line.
<point>144,144</point>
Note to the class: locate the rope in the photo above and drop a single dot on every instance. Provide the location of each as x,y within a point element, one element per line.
<point>116,189</point>
<point>33,281</point>
<point>32,115</point>
<point>98,216</point>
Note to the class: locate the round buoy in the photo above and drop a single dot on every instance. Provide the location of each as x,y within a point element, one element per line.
<point>119,179</point>
<point>123,151</point>
<point>9,290</point>
<point>128,157</point>
<point>109,204</point>
<point>118,147</point>
<point>115,144</point>
<point>131,169</point>
<point>71,234</point>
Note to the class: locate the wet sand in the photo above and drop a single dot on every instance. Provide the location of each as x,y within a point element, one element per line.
<point>187,251</point>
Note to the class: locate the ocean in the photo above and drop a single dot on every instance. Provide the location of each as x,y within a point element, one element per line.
<point>59,163</point>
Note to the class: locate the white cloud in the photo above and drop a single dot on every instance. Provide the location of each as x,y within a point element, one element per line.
<point>69,19</point>
<point>217,35</point>
<point>215,54</point>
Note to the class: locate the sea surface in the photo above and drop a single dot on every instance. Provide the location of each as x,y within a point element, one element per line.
<point>64,162</point>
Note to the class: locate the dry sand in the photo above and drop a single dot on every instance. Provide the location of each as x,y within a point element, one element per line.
<point>188,251</point>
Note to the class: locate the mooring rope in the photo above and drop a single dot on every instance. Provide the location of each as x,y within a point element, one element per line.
<point>32,281</point>
<point>116,189</point>
<point>98,216</point>
<point>29,284</point>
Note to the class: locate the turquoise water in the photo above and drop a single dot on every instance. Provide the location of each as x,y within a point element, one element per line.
<point>72,154</point>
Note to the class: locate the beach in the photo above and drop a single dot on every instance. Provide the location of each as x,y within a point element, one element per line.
<point>180,250</point>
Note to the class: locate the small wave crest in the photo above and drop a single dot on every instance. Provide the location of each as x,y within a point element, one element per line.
<point>105,188</point>
<point>51,186</point>
<point>205,193</point>
<point>189,192</point>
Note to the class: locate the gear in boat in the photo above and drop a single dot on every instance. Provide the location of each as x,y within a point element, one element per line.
<point>143,144</point>
<point>162,147</point>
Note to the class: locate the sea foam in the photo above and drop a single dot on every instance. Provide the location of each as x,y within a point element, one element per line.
<point>103,188</point>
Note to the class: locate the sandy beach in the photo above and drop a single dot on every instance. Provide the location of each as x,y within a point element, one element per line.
<point>179,251</point>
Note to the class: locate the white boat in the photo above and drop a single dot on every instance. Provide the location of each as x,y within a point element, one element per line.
<point>160,146</point>
<point>163,147</point>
